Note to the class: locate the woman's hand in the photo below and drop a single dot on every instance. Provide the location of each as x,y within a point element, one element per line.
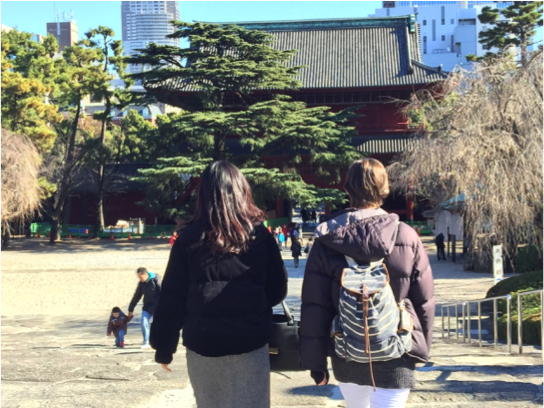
<point>320,377</point>
<point>165,368</point>
<point>324,382</point>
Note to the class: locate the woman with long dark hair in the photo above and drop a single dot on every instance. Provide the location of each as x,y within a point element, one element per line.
<point>224,275</point>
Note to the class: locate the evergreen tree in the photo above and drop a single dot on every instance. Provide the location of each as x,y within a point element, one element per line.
<point>111,57</point>
<point>232,62</point>
<point>519,28</point>
<point>79,75</point>
<point>27,74</point>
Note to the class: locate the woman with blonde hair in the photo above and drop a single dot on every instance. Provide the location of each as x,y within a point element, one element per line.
<point>366,234</point>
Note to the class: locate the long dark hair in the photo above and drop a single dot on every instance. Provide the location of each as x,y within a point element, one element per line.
<point>225,205</point>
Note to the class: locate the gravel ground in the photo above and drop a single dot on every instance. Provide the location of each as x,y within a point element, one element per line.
<point>90,277</point>
<point>56,301</point>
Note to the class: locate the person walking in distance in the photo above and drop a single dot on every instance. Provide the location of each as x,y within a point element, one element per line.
<point>173,238</point>
<point>277,232</point>
<point>286,232</point>
<point>281,239</point>
<point>224,275</point>
<point>440,246</point>
<point>150,288</point>
<point>304,215</point>
<point>296,250</point>
<point>365,234</point>
<point>308,247</point>
<point>314,216</point>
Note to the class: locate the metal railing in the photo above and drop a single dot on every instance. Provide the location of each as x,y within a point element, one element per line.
<point>520,318</point>
<point>466,319</point>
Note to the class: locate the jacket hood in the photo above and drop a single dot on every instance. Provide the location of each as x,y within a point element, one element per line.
<point>365,235</point>
<point>151,276</point>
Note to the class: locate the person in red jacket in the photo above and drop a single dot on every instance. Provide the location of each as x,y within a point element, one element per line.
<point>117,325</point>
<point>173,238</point>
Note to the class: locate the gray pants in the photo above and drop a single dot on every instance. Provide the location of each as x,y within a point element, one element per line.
<point>239,381</point>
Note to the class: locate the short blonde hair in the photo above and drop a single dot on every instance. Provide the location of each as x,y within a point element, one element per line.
<point>367,183</point>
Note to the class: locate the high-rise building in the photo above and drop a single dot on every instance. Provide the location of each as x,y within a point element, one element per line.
<point>449,29</point>
<point>145,22</point>
<point>65,33</point>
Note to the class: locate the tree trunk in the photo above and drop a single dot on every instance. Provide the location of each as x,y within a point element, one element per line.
<point>101,222</point>
<point>58,206</point>
<point>55,223</point>
<point>523,49</point>
<point>65,184</point>
<point>219,147</point>
<point>6,235</point>
<point>219,137</point>
<point>100,216</point>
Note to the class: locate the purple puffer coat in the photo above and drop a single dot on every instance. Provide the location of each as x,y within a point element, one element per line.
<point>364,235</point>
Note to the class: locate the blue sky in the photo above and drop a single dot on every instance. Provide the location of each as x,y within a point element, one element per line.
<point>32,16</point>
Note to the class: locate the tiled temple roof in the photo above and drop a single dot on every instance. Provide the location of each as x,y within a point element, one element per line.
<point>349,53</point>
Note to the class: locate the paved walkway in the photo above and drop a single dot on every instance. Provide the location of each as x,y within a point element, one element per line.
<point>55,352</point>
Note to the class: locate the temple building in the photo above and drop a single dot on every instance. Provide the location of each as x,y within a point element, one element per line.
<point>375,63</point>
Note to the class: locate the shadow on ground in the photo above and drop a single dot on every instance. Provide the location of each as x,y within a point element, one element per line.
<point>41,245</point>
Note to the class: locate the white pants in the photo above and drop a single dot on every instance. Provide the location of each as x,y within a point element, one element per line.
<point>363,396</point>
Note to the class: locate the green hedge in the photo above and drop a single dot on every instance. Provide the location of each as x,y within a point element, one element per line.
<point>532,310</point>
<point>526,259</point>
<point>527,281</point>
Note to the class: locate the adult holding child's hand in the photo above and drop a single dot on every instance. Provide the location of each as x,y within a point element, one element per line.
<point>150,288</point>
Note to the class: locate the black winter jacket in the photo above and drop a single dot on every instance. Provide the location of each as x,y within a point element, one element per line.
<point>150,290</point>
<point>223,302</point>
<point>296,249</point>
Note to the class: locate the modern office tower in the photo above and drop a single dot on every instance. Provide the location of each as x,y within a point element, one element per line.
<point>145,22</point>
<point>449,29</point>
<point>65,32</point>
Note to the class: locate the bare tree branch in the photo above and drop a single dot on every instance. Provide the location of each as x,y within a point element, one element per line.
<point>20,171</point>
<point>483,139</point>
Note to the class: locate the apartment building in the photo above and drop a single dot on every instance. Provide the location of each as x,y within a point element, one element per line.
<point>449,29</point>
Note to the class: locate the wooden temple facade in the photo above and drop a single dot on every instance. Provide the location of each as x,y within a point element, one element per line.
<point>375,63</point>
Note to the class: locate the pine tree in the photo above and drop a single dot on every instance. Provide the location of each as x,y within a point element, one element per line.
<point>27,74</point>
<point>101,40</point>
<point>519,28</point>
<point>230,61</point>
<point>80,73</point>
